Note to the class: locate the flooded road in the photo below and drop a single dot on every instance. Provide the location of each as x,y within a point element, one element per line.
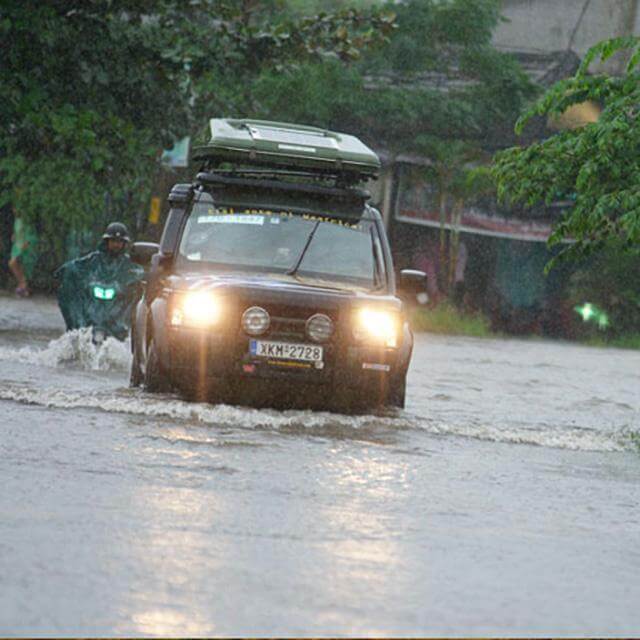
<point>505,500</point>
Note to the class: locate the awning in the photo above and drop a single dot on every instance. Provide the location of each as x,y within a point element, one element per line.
<point>475,221</point>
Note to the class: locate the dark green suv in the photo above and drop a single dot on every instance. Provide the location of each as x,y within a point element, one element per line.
<point>273,283</point>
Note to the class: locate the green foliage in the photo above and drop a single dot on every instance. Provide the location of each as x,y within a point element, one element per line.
<point>241,41</point>
<point>392,97</point>
<point>435,35</point>
<point>80,117</point>
<point>92,91</point>
<point>446,319</point>
<point>597,165</point>
<point>312,7</point>
<point>629,341</point>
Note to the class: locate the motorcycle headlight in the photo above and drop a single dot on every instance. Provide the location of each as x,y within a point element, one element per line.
<point>377,326</point>
<point>103,293</point>
<point>196,309</point>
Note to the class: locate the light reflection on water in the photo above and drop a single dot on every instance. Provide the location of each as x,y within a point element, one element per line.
<point>169,622</point>
<point>175,555</point>
<point>363,546</point>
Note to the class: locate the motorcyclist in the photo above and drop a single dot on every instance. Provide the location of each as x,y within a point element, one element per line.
<point>99,290</point>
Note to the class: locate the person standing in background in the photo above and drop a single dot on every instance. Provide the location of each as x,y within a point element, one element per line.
<point>6,229</point>
<point>23,254</point>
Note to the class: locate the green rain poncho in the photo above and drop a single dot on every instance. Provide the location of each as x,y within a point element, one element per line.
<point>99,290</point>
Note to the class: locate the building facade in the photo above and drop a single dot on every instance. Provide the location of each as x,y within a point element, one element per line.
<point>504,250</point>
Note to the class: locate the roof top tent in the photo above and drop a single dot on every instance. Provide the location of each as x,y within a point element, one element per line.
<point>290,147</point>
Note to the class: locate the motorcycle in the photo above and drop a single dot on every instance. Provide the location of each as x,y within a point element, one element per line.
<point>100,292</point>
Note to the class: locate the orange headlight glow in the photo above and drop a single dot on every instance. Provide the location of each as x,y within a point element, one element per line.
<point>377,326</point>
<point>196,309</point>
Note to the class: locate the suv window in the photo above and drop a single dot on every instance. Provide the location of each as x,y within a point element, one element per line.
<point>258,240</point>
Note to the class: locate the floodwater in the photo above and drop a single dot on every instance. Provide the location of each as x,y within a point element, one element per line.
<point>503,501</point>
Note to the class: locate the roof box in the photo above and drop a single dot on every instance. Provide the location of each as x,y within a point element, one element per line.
<point>290,146</point>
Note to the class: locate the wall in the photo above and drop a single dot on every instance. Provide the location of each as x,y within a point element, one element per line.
<point>557,25</point>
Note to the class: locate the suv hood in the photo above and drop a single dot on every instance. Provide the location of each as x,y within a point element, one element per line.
<point>279,287</point>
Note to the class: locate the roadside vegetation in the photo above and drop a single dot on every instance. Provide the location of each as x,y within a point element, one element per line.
<point>635,439</point>
<point>596,166</point>
<point>630,341</point>
<point>447,319</point>
<point>92,92</point>
<point>610,281</point>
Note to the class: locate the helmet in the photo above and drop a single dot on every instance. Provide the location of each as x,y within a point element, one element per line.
<point>116,231</point>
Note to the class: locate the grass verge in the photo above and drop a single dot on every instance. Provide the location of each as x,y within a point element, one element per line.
<point>631,341</point>
<point>446,319</point>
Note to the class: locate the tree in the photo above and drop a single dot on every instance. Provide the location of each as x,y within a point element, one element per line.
<point>458,172</point>
<point>438,90</point>
<point>80,118</point>
<point>439,75</point>
<point>92,91</point>
<point>597,165</point>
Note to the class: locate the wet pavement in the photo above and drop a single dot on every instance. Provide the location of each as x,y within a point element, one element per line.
<point>503,501</point>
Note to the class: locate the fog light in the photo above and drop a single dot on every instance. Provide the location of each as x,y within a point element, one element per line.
<point>255,321</point>
<point>319,327</point>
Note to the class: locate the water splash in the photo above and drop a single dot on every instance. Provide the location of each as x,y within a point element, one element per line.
<point>561,437</point>
<point>74,348</point>
<point>136,402</point>
<point>378,428</point>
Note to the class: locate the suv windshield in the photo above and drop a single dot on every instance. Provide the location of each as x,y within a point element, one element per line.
<point>258,240</point>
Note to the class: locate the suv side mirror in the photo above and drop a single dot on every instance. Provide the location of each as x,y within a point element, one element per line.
<point>141,252</point>
<point>413,287</point>
<point>413,281</point>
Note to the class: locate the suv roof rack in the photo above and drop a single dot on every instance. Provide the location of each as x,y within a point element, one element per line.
<point>232,179</point>
<point>280,145</point>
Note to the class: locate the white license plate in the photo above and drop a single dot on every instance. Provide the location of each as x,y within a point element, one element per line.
<point>285,350</point>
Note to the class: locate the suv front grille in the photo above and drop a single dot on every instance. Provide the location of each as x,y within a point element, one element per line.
<point>288,328</point>
<point>288,322</point>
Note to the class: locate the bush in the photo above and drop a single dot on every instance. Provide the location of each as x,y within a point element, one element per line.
<point>447,319</point>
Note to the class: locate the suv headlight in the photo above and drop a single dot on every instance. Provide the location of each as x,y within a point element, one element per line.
<point>196,309</point>
<point>377,326</point>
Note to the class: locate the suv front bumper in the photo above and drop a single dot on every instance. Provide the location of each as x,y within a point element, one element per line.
<point>348,371</point>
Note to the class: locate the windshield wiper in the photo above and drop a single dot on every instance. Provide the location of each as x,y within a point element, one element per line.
<point>295,268</point>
